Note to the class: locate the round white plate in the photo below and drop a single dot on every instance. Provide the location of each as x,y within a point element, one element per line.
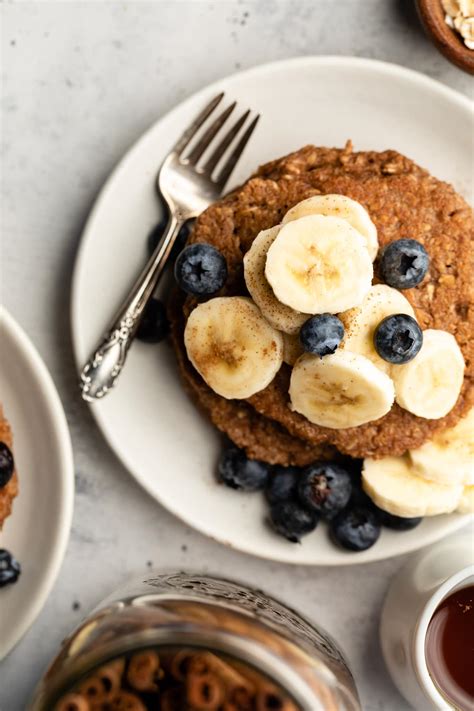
<point>148,420</point>
<point>37,531</point>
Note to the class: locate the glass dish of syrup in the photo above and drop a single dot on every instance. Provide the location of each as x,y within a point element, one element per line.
<point>449,648</point>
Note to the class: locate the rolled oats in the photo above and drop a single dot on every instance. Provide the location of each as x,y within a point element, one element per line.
<point>449,21</point>
<point>391,168</point>
<point>451,7</point>
<point>467,8</point>
<point>467,29</point>
<point>460,17</point>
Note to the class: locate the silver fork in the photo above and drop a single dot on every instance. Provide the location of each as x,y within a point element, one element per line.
<point>187,188</point>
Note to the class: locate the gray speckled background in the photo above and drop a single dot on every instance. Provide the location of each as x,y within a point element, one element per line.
<point>81,80</point>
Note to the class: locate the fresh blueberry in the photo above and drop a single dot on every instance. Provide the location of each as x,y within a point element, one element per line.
<point>154,325</point>
<point>356,528</point>
<point>397,523</point>
<point>238,472</point>
<point>7,465</point>
<point>157,233</point>
<point>282,484</point>
<point>358,495</point>
<point>322,334</point>
<point>325,488</point>
<point>360,498</point>
<point>354,467</point>
<point>398,338</point>
<point>292,520</point>
<point>10,568</point>
<point>200,269</point>
<point>404,263</point>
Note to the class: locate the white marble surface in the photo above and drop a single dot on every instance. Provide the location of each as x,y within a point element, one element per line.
<point>81,80</point>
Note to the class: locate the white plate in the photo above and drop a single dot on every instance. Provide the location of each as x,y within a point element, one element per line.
<point>37,531</point>
<point>149,421</point>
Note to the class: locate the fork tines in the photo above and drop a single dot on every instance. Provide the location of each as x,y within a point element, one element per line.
<point>202,140</point>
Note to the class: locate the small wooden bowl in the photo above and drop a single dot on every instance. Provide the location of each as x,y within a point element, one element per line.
<point>448,41</point>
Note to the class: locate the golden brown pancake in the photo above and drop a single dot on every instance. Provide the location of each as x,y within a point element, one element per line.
<point>8,492</point>
<point>404,201</point>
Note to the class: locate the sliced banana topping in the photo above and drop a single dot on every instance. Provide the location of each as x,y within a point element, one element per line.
<point>319,264</point>
<point>429,385</point>
<point>292,348</point>
<point>448,458</point>
<point>233,347</point>
<point>343,207</point>
<point>393,485</point>
<point>319,261</point>
<point>340,390</point>
<point>280,316</point>
<point>361,322</point>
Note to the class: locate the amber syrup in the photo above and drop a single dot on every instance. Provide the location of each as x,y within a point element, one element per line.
<point>449,648</point>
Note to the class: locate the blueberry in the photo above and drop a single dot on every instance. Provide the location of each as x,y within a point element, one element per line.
<point>7,465</point>
<point>404,263</point>
<point>282,484</point>
<point>325,488</point>
<point>238,472</point>
<point>154,325</point>
<point>322,334</point>
<point>157,233</point>
<point>292,520</point>
<point>200,269</point>
<point>397,523</point>
<point>355,528</point>
<point>360,498</point>
<point>354,467</point>
<point>10,568</point>
<point>398,338</point>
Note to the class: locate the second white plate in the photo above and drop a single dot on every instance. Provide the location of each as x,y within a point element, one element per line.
<point>37,531</point>
<point>148,420</point>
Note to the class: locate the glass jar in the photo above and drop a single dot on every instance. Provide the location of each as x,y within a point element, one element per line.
<point>191,611</point>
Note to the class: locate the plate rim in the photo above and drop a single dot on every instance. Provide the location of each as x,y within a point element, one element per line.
<point>53,404</point>
<point>389,68</point>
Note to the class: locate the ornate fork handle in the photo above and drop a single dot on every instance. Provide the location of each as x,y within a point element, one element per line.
<point>104,366</point>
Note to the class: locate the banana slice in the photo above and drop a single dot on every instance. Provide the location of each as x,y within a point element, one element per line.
<point>319,264</point>
<point>233,347</point>
<point>429,385</point>
<point>466,504</point>
<point>343,207</point>
<point>340,390</point>
<point>281,317</point>
<point>361,321</point>
<point>448,458</point>
<point>292,348</point>
<point>392,485</point>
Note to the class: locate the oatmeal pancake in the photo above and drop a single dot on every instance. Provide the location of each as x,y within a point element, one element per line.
<point>261,437</point>
<point>403,201</point>
<point>8,492</point>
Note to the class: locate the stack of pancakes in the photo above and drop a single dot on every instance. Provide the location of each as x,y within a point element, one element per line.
<point>403,201</point>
